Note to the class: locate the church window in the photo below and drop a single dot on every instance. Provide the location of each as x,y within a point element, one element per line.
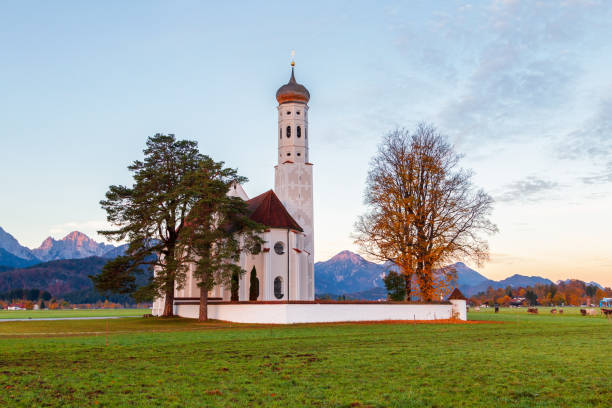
<point>298,112</point>
<point>299,131</point>
<point>278,287</point>
<point>288,113</point>
<point>299,154</point>
<point>279,248</point>
<point>288,131</point>
<point>288,154</point>
<point>306,133</point>
<point>280,133</point>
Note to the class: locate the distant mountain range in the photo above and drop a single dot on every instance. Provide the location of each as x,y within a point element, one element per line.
<point>57,277</point>
<point>62,266</point>
<point>9,244</point>
<point>347,272</point>
<point>8,259</point>
<point>66,278</point>
<point>592,283</point>
<point>351,275</point>
<point>75,245</point>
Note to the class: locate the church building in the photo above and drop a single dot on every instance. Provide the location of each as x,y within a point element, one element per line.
<point>284,268</point>
<point>278,286</point>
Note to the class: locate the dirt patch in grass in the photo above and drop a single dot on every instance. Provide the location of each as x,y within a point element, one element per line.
<point>374,322</point>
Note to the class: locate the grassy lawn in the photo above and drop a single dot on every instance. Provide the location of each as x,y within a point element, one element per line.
<point>542,310</point>
<point>525,361</point>
<point>46,313</point>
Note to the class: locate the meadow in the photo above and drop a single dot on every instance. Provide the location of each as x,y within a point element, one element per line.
<point>512,359</point>
<point>66,313</point>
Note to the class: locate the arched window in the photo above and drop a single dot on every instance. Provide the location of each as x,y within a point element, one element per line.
<point>280,133</point>
<point>288,131</point>
<point>278,287</point>
<point>306,133</point>
<point>299,132</point>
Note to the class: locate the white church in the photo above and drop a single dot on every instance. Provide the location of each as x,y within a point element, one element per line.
<point>285,265</point>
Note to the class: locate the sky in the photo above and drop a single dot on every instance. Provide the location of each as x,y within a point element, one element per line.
<point>521,88</point>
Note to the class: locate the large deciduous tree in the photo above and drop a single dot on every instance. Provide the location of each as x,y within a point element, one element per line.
<point>217,231</point>
<point>150,215</point>
<point>423,211</point>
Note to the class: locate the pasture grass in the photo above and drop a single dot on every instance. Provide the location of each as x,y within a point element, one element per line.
<point>517,360</point>
<point>61,313</point>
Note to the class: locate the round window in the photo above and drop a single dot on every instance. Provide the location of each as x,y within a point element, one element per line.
<point>278,287</point>
<point>279,248</point>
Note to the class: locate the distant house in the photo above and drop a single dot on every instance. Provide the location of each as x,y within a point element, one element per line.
<point>518,301</point>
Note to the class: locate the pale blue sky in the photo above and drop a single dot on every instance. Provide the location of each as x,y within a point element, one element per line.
<point>523,89</point>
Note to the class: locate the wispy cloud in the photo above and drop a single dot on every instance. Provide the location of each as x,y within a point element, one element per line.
<point>528,189</point>
<point>604,176</point>
<point>507,67</point>
<point>522,71</point>
<point>508,259</point>
<point>593,140</point>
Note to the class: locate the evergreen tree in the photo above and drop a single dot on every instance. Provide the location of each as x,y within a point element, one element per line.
<point>254,285</point>
<point>235,286</point>
<point>396,286</point>
<point>591,290</point>
<point>150,215</point>
<point>531,297</point>
<point>218,229</point>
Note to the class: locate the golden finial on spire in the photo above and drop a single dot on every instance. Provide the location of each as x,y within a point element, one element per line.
<point>293,58</point>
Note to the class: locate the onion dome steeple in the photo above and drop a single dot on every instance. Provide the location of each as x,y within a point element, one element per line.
<point>292,91</point>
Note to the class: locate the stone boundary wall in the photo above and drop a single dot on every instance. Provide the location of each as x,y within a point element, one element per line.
<point>313,312</point>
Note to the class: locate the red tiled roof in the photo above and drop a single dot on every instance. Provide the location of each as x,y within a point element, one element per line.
<point>268,210</point>
<point>456,295</point>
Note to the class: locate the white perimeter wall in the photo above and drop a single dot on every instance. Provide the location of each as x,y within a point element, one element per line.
<point>321,313</point>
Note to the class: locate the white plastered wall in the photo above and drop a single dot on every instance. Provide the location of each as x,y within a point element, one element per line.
<point>282,313</point>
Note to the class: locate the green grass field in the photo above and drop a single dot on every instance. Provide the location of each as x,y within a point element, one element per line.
<point>516,360</point>
<point>46,313</point>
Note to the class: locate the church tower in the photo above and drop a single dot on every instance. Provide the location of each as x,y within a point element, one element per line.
<point>293,173</point>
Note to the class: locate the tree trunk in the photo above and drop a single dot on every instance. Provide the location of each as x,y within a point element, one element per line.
<point>428,288</point>
<point>203,304</point>
<point>169,302</point>
<point>408,279</point>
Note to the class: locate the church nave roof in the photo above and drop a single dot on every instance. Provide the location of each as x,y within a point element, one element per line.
<point>268,210</point>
